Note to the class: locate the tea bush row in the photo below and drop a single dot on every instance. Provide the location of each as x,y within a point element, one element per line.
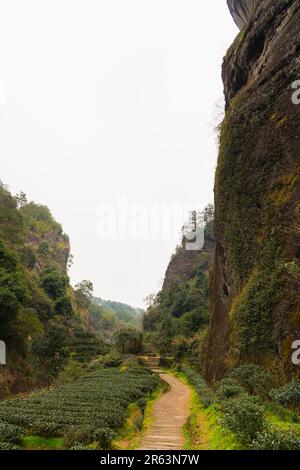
<point>89,410</point>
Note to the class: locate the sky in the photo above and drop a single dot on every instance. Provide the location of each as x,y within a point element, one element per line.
<point>107,116</point>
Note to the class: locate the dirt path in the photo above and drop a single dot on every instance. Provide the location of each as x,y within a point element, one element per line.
<point>170,413</point>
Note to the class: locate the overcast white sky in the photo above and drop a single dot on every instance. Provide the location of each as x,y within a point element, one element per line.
<point>109,99</point>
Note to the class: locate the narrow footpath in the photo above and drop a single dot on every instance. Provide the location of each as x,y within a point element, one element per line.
<point>170,413</point>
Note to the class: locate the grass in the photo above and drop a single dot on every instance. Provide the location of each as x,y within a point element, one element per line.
<point>42,443</point>
<point>283,418</point>
<point>128,437</point>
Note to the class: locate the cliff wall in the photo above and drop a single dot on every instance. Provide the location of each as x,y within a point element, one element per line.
<point>255,289</point>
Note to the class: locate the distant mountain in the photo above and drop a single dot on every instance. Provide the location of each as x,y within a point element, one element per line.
<point>108,316</point>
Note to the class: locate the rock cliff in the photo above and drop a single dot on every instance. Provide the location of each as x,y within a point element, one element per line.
<point>241,10</point>
<point>176,321</point>
<point>256,276</point>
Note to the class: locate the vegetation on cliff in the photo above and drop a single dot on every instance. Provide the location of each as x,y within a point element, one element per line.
<point>255,293</point>
<point>39,311</point>
<point>177,318</point>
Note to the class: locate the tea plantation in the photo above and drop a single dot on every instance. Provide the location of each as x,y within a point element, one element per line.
<point>86,412</point>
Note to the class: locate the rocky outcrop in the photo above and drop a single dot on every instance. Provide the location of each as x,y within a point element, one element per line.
<point>255,287</point>
<point>185,263</point>
<point>241,10</point>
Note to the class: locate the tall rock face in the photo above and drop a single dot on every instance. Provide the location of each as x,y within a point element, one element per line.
<point>256,276</point>
<point>241,10</point>
<point>184,263</point>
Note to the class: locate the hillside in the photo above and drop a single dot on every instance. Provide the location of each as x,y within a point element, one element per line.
<point>107,317</point>
<point>177,319</point>
<point>40,316</point>
<point>255,286</point>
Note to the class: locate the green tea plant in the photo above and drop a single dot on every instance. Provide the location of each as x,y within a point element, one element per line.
<point>244,416</point>
<point>272,438</point>
<point>206,394</point>
<point>84,412</point>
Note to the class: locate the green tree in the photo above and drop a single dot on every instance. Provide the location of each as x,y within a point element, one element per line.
<point>84,293</point>
<point>13,290</point>
<point>21,199</point>
<point>54,283</point>
<point>50,353</point>
<point>63,307</point>
<point>128,340</point>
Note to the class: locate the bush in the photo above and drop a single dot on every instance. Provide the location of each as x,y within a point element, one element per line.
<point>276,439</point>
<point>206,394</point>
<point>142,403</point>
<point>13,289</point>
<point>47,429</point>
<point>63,307</point>
<point>72,371</point>
<point>138,424</point>
<point>8,446</point>
<point>104,436</point>
<point>244,416</point>
<point>112,360</point>
<point>165,362</point>
<point>128,340</point>
<point>10,433</point>
<point>50,353</point>
<point>229,388</point>
<point>54,283</point>
<point>80,447</point>
<point>88,411</point>
<point>83,436</point>
<point>288,395</point>
<point>254,379</point>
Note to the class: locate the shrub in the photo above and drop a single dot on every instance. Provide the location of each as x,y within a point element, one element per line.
<point>128,340</point>
<point>142,403</point>
<point>63,307</point>
<point>138,424</point>
<point>206,394</point>
<point>252,315</point>
<point>165,362</point>
<point>43,248</point>
<point>47,429</point>
<point>83,436</point>
<point>112,360</point>
<point>244,416</point>
<point>80,447</point>
<point>71,372</point>
<point>276,439</point>
<point>54,283</point>
<point>10,433</point>
<point>254,379</point>
<point>8,446</point>
<point>50,353</point>
<point>229,388</point>
<point>28,257</point>
<point>288,395</point>
<point>85,412</point>
<point>13,289</point>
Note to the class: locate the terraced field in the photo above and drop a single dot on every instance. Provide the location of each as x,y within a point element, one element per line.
<point>85,413</point>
